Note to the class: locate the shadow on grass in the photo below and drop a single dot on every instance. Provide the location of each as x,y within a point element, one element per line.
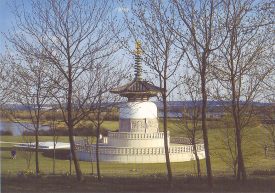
<point>62,154</point>
<point>62,183</point>
<point>6,148</point>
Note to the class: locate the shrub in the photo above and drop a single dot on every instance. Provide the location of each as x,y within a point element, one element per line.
<point>5,132</point>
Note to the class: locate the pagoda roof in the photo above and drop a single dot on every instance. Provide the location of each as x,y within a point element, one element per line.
<point>137,87</point>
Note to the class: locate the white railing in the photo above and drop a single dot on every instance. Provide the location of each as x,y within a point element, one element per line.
<point>139,151</point>
<point>132,135</point>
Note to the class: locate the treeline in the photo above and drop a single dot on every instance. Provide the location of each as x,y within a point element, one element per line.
<point>48,116</point>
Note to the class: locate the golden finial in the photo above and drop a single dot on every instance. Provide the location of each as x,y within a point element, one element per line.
<point>138,50</point>
<point>138,67</point>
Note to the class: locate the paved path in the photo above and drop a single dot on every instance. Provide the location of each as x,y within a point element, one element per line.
<point>8,142</point>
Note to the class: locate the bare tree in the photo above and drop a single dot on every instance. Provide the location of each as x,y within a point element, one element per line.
<point>269,125</point>
<point>190,121</point>
<point>243,64</point>
<point>76,37</point>
<point>269,83</point>
<point>5,79</point>
<point>31,88</point>
<point>199,31</point>
<point>149,24</point>
<point>269,114</point>
<point>27,150</point>
<point>228,145</point>
<point>107,80</point>
<point>53,128</point>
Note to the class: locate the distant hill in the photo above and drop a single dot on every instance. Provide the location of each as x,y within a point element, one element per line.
<point>172,105</point>
<point>210,104</point>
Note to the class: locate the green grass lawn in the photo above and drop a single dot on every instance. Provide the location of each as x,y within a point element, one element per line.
<point>253,151</point>
<point>255,160</point>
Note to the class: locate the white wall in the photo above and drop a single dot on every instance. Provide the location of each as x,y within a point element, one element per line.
<point>157,156</point>
<point>138,110</point>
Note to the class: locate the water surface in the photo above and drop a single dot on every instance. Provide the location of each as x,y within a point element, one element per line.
<point>17,128</point>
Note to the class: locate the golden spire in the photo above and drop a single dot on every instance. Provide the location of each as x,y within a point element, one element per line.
<point>138,52</point>
<point>138,48</point>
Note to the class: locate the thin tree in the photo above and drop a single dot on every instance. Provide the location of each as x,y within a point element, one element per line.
<point>199,33</point>
<point>269,114</point>
<point>5,79</point>
<point>97,122</point>
<point>269,125</point>
<point>228,145</point>
<point>191,114</point>
<point>53,128</point>
<point>27,151</point>
<point>76,37</point>
<point>108,78</point>
<point>242,65</point>
<point>148,24</point>
<point>31,88</point>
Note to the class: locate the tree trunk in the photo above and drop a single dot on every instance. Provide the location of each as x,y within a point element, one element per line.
<point>97,157</point>
<point>54,145</point>
<point>168,164</point>
<point>73,154</point>
<point>241,173</point>
<point>36,148</point>
<point>197,159</point>
<point>91,154</point>
<point>70,127</point>
<point>54,160</point>
<point>241,168</point>
<point>204,128</point>
<point>97,135</point>
<point>92,161</point>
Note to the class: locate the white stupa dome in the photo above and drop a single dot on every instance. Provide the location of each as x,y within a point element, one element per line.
<point>138,110</point>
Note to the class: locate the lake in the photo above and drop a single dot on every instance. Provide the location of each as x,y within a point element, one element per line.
<point>17,129</point>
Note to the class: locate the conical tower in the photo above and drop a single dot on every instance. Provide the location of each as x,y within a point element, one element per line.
<point>138,67</point>
<point>138,89</point>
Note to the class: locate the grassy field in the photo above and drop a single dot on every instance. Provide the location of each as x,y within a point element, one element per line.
<point>114,174</point>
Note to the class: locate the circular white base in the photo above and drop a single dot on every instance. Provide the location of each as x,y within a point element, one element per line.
<point>178,153</point>
<point>136,139</point>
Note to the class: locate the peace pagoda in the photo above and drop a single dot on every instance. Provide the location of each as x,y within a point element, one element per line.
<point>138,139</point>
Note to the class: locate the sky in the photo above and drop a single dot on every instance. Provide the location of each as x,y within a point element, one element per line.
<point>6,18</point>
<point>5,14</point>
